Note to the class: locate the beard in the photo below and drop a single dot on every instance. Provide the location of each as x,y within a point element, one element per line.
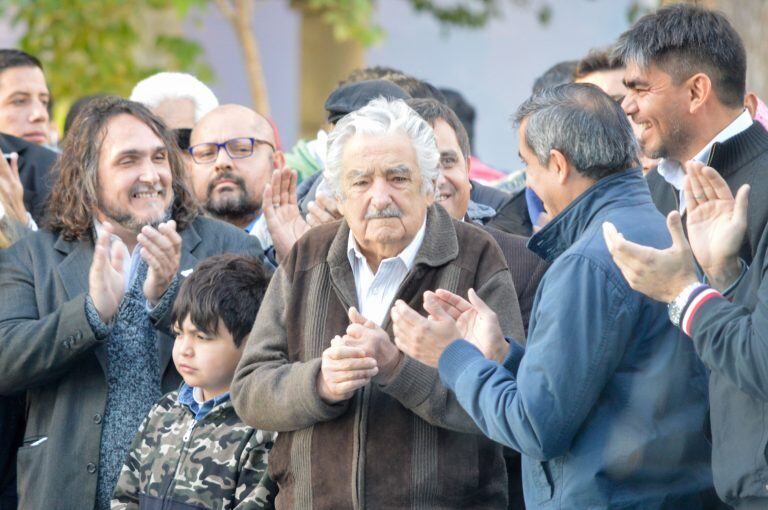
<point>129,221</point>
<point>673,143</point>
<point>235,205</point>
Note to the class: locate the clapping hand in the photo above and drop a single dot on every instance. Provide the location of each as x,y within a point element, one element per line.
<point>375,342</point>
<point>161,250</point>
<point>106,279</point>
<point>343,369</point>
<point>11,189</point>
<point>716,223</point>
<point>281,211</point>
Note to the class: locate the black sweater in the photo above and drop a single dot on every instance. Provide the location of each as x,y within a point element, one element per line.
<point>742,159</point>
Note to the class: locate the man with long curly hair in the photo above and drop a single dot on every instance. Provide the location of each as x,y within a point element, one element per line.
<point>87,300</point>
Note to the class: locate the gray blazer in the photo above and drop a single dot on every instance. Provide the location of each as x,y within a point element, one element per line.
<point>48,349</point>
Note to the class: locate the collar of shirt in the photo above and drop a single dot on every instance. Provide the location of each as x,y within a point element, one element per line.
<point>259,230</point>
<point>672,171</point>
<point>193,399</point>
<point>130,260</point>
<point>376,291</point>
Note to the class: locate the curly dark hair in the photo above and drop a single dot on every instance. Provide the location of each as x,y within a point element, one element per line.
<point>74,197</point>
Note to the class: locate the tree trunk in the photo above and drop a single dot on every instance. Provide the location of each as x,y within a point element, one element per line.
<point>324,62</point>
<point>239,14</point>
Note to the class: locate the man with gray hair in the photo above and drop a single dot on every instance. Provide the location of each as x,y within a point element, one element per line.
<point>606,401</point>
<point>361,424</point>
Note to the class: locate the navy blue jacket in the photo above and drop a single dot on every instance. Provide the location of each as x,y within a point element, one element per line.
<point>608,402</point>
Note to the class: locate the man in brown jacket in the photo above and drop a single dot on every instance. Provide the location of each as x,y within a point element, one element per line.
<point>361,424</point>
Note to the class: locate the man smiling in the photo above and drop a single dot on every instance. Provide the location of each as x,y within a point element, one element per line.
<point>685,75</point>
<point>85,326</point>
<point>321,367</point>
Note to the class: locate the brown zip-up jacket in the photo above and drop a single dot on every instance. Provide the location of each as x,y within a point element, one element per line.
<point>405,445</point>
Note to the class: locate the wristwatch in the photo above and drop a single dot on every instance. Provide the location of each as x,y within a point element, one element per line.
<point>676,307</point>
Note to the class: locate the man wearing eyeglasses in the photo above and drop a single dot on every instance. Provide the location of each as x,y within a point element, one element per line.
<point>233,153</point>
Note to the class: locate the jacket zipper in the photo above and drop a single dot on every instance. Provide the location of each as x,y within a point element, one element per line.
<point>182,454</point>
<point>362,406</point>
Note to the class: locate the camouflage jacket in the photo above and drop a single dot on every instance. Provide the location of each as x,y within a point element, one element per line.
<point>177,462</point>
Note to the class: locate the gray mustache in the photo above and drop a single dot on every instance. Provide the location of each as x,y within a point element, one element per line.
<point>391,211</point>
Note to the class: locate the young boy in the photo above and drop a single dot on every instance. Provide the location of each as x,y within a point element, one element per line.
<point>192,451</point>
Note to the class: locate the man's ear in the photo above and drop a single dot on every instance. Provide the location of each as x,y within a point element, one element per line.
<point>699,91</point>
<point>278,160</point>
<point>559,165</point>
<point>750,103</point>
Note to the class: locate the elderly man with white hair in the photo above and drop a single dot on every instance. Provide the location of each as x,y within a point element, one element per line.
<point>180,100</point>
<point>361,424</point>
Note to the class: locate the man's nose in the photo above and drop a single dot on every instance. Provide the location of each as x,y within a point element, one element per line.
<point>629,105</point>
<point>381,195</point>
<point>149,172</point>
<point>39,112</point>
<point>223,161</point>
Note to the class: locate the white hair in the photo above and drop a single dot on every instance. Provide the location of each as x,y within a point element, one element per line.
<point>160,87</point>
<point>382,117</point>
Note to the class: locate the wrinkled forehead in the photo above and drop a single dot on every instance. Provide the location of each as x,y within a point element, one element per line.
<point>126,133</point>
<point>377,152</point>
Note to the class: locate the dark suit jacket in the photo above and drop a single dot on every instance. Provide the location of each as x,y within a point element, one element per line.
<point>35,164</point>
<point>742,159</point>
<point>526,267</point>
<point>513,216</point>
<point>49,350</point>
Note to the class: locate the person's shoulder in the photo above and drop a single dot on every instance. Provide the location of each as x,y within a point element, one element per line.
<point>220,234</point>
<point>29,151</point>
<point>312,248</point>
<point>477,248</point>
<point>466,231</point>
<point>37,244</point>
<point>217,228</point>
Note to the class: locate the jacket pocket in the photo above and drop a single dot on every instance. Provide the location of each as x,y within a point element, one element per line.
<point>30,459</point>
<point>543,483</point>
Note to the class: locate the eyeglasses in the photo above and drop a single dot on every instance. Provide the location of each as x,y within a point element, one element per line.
<point>237,148</point>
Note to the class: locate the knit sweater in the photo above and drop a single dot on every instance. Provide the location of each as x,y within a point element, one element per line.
<point>133,381</point>
<point>406,444</point>
<point>742,159</point>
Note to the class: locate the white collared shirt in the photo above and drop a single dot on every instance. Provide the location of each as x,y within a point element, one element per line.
<point>673,171</point>
<point>375,292</point>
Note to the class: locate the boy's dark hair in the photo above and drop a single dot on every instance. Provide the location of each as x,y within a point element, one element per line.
<point>225,289</point>
<point>433,110</point>
<point>559,74</point>
<point>683,40</point>
<point>10,57</point>
<point>597,60</point>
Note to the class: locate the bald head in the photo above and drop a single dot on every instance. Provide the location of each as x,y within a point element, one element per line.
<point>231,185</point>
<point>232,118</point>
